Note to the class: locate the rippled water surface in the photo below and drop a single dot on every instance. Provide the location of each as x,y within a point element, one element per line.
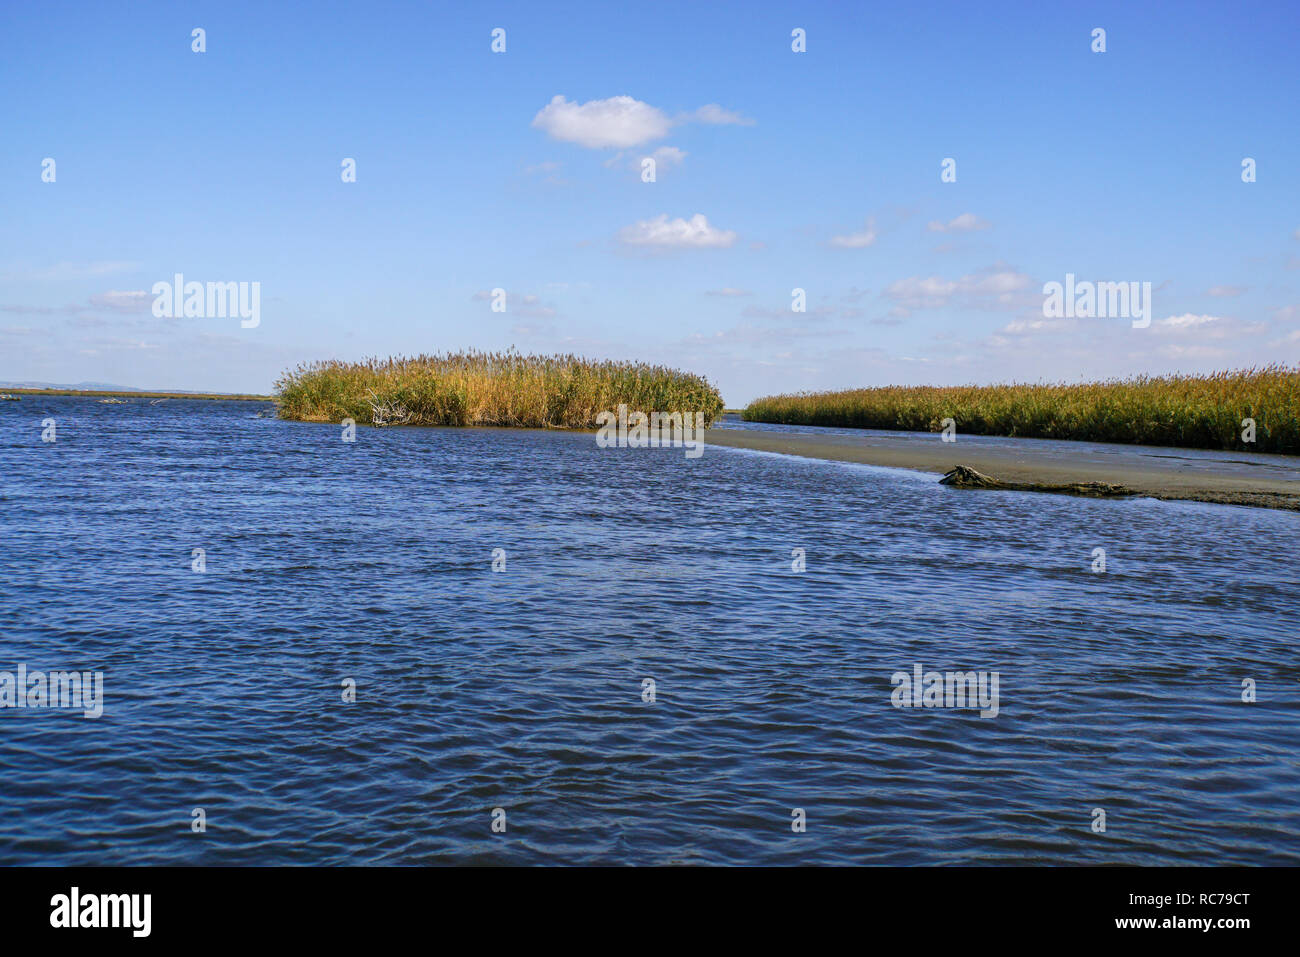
<point>523,689</point>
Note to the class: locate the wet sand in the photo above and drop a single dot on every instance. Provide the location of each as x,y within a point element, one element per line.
<point>1225,478</point>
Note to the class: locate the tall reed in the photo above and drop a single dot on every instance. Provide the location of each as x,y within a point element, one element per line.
<point>482,388</point>
<point>1188,411</point>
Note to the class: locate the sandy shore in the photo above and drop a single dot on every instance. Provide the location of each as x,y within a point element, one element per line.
<point>1229,478</point>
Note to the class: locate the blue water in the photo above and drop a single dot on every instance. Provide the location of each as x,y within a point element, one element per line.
<point>522,689</point>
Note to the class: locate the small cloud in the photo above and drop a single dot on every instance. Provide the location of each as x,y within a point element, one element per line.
<point>619,122</point>
<point>1186,321</point>
<point>857,240</point>
<point>728,291</point>
<point>1223,292</point>
<point>965,223</point>
<point>662,231</point>
<point>1038,325</point>
<point>622,122</point>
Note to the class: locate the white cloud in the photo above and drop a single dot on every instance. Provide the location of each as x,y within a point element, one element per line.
<point>1220,292</point>
<point>622,122</point>
<point>662,231</point>
<point>965,223</point>
<point>1038,325</point>
<point>1186,321</point>
<point>619,122</point>
<point>857,240</point>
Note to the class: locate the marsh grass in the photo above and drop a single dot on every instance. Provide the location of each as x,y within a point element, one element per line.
<point>487,389</point>
<point>1203,412</point>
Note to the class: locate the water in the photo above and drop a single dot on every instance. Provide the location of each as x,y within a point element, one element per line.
<point>523,689</point>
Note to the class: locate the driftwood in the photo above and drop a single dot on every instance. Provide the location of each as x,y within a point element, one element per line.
<point>965,477</point>
<point>387,413</point>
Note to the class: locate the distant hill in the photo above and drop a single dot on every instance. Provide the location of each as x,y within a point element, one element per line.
<point>77,387</point>
<point>110,388</point>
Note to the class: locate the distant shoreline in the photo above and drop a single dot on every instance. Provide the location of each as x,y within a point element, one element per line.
<point>243,397</point>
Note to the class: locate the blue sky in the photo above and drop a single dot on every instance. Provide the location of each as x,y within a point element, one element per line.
<point>817,170</point>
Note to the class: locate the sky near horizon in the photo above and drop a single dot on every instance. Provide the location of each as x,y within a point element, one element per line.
<point>775,170</point>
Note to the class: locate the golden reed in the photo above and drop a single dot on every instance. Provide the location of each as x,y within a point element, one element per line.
<point>1204,412</point>
<point>487,388</point>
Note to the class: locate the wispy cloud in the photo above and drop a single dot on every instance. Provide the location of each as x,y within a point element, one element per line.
<point>965,223</point>
<point>857,240</point>
<point>132,301</point>
<point>714,115</point>
<point>664,232</point>
<point>933,292</point>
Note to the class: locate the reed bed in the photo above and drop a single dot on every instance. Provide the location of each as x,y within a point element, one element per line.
<point>1203,412</point>
<point>487,389</point>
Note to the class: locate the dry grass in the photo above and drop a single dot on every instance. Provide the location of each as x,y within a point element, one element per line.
<point>1202,412</point>
<point>494,389</point>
